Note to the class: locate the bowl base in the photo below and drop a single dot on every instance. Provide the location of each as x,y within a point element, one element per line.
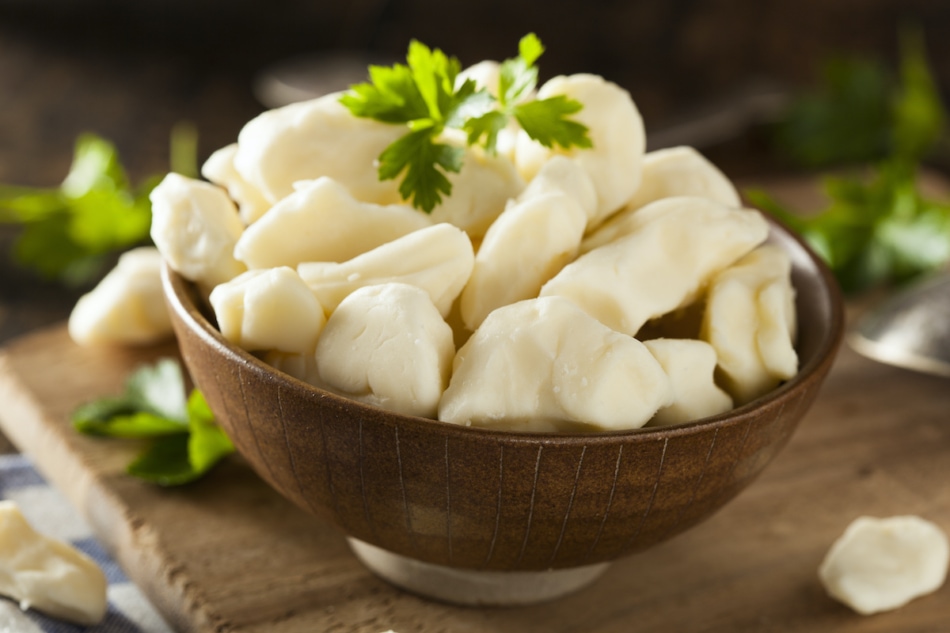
<point>472,587</point>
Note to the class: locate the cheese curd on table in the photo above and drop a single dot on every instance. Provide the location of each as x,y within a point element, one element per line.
<point>882,564</point>
<point>48,575</point>
<point>127,307</point>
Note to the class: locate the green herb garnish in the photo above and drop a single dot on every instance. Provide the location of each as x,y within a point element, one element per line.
<point>878,227</point>
<point>186,441</point>
<point>423,96</point>
<point>69,231</point>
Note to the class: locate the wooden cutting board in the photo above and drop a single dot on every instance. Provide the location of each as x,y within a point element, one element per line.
<point>228,554</point>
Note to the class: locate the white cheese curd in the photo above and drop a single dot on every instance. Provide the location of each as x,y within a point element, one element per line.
<point>560,174</point>
<point>750,321</point>
<point>526,246</point>
<point>660,266</point>
<point>127,307</point>
<point>479,191</point>
<point>689,364</point>
<point>270,309</point>
<point>387,345</point>
<point>219,169</point>
<point>615,129</point>
<point>48,575</point>
<point>544,364</point>
<point>303,366</point>
<point>195,227</point>
<point>438,259</point>
<point>882,564</point>
<point>682,171</point>
<point>304,141</point>
<point>321,221</point>
<point>676,171</point>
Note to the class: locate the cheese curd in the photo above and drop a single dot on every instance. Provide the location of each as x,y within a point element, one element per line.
<point>615,129</point>
<point>661,265</point>
<point>689,364</point>
<point>535,237</point>
<point>387,345</point>
<point>269,309</point>
<point>350,289</point>
<point>479,191</point>
<point>220,169</point>
<point>322,221</point>
<point>667,173</point>
<point>127,307</point>
<point>196,226</point>
<point>48,575</point>
<point>750,321</point>
<point>438,259</point>
<point>543,365</point>
<point>561,174</point>
<point>882,564</point>
<point>307,140</point>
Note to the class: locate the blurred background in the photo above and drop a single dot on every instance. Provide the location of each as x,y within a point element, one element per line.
<point>129,71</point>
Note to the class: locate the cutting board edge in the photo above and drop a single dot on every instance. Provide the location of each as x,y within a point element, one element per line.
<point>54,457</point>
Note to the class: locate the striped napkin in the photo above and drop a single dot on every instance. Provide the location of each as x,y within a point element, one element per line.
<point>49,513</point>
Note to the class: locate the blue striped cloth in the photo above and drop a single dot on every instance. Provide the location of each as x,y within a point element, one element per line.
<point>49,513</point>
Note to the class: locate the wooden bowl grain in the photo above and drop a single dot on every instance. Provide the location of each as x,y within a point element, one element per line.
<point>499,501</point>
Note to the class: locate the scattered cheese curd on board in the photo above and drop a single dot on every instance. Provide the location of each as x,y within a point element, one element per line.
<point>882,564</point>
<point>48,575</point>
<point>127,307</point>
<point>559,277</point>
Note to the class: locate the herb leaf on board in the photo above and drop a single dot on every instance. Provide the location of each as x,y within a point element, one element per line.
<point>186,441</point>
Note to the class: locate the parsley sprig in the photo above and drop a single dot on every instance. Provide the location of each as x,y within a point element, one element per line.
<point>424,96</point>
<point>186,441</point>
<point>878,227</point>
<point>69,232</point>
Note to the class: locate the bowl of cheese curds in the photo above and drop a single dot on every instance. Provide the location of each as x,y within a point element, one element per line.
<point>574,351</point>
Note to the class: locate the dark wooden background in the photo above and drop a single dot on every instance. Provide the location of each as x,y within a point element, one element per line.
<point>129,70</point>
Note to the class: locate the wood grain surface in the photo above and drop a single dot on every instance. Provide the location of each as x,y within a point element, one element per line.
<point>229,554</point>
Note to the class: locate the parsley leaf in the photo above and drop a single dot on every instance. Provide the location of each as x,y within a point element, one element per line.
<point>878,227</point>
<point>425,96</point>
<point>186,440</point>
<point>69,231</point>
<point>546,122</point>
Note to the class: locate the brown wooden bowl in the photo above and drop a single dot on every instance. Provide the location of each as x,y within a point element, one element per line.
<point>500,501</point>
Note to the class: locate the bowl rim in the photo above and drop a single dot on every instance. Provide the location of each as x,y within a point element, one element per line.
<point>179,295</point>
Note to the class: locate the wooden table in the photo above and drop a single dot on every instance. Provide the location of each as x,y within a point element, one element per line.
<point>228,554</point>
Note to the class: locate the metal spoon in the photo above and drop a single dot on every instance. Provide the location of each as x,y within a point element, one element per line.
<point>911,329</point>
